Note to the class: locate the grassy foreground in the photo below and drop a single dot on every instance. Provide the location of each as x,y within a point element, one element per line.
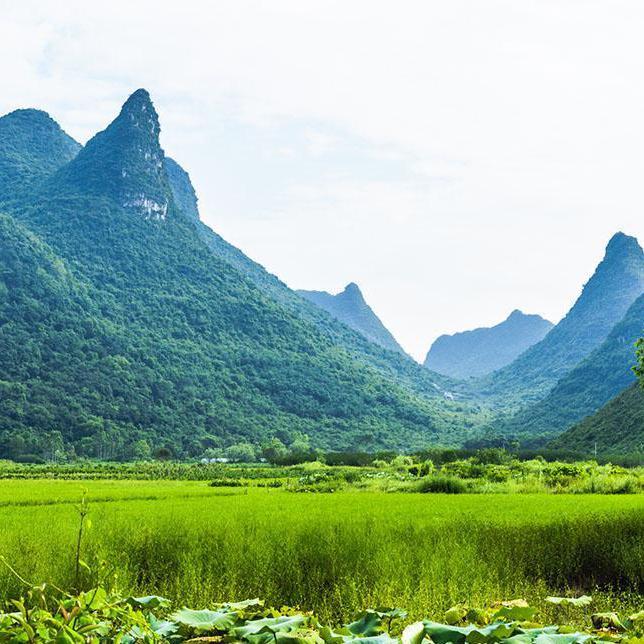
<point>334,554</point>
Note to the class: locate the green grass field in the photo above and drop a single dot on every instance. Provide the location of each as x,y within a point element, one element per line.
<point>332,553</point>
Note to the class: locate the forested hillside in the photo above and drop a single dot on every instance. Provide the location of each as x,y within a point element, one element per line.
<point>32,147</point>
<point>152,337</point>
<point>593,382</point>
<point>617,428</point>
<point>394,365</point>
<point>616,283</point>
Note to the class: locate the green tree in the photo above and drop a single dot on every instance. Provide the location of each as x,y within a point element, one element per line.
<point>274,450</point>
<point>639,367</point>
<point>162,454</point>
<point>241,453</point>
<point>213,452</point>
<point>141,450</point>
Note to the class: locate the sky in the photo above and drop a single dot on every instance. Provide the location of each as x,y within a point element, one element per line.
<point>457,159</point>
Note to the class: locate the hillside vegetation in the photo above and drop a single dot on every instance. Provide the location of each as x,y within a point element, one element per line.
<point>616,283</point>
<point>32,147</point>
<point>617,427</point>
<point>606,372</point>
<point>152,339</point>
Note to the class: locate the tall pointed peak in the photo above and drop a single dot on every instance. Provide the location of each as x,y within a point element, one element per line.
<point>125,161</point>
<point>624,257</point>
<point>621,243</point>
<point>139,99</point>
<point>352,289</point>
<point>353,294</point>
<point>140,113</point>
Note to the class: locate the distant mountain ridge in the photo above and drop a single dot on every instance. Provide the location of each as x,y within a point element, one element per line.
<point>486,349</point>
<point>350,307</point>
<point>616,283</point>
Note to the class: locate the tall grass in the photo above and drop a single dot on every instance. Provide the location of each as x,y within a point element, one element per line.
<point>338,553</point>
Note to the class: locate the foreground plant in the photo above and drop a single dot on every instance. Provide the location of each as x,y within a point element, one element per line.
<point>45,614</point>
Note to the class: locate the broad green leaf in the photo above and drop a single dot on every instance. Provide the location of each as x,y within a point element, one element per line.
<point>330,637</point>
<point>444,633</point>
<point>204,620</point>
<point>280,624</point>
<point>149,601</point>
<point>383,638</point>
<point>94,599</point>
<point>584,600</point>
<point>519,638</point>
<point>369,624</point>
<point>162,627</point>
<point>562,638</point>
<point>391,613</point>
<point>493,632</point>
<point>413,634</point>
<point>300,636</point>
<point>455,614</point>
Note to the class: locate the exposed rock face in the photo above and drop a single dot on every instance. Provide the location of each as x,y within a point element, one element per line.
<point>481,351</point>
<point>125,161</point>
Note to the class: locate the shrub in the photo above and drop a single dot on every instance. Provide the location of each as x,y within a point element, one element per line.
<point>401,462</point>
<point>228,483</point>
<point>441,484</point>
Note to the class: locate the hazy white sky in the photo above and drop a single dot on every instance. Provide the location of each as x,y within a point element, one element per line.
<point>457,159</point>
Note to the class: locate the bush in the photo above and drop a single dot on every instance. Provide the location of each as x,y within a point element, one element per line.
<point>228,483</point>
<point>271,484</point>
<point>442,485</point>
<point>401,462</point>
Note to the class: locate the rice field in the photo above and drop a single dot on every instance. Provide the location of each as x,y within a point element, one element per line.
<point>331,553</point>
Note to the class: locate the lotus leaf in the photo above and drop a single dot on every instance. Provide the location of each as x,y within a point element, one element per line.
<point>584,600</point>
<point>149,601</point>
<point>204,620</point>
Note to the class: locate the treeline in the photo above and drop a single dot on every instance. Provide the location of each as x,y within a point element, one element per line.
<point>274,454</point>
